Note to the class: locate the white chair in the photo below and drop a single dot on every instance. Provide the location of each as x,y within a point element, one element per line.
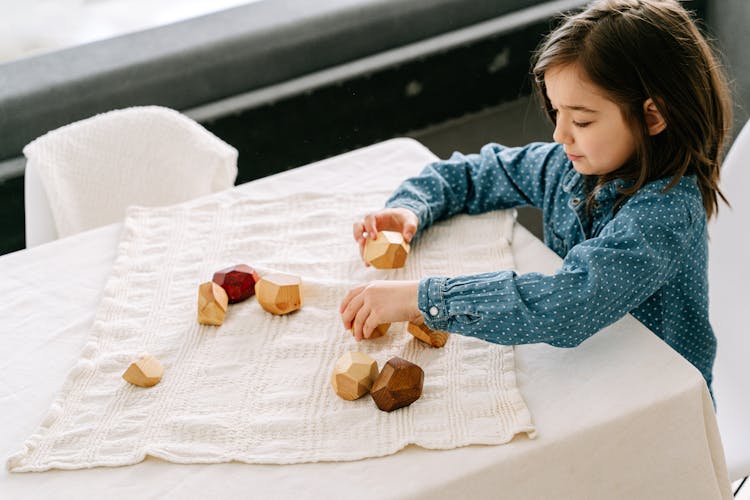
<point>729,278</point>
<point>84,175</point>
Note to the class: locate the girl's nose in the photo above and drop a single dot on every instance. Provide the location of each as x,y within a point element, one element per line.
<point>561,134</point>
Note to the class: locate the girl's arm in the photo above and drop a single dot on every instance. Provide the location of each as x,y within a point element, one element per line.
<point>600,280</point>
<point>498,177</point>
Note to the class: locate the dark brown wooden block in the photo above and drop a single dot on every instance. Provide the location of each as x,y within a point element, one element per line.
<point>399,384</point>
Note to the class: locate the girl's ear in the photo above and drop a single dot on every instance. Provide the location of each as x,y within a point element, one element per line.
<point>654,121</point>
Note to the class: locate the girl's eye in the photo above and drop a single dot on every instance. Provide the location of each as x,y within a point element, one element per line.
<point>581,124</point>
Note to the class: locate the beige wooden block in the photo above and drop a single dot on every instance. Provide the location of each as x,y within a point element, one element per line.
<point>435,338</point>
<point>353,375</point>
<point>279,293</point>
<point>378,332</point>
<point>144,372</point>
<point>399,384</point>
<point>212,304</point>
<point>387,251</point>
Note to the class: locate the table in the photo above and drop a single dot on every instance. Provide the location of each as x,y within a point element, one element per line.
<point>620,416</point>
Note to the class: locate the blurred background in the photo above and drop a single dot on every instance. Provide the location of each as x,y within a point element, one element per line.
<point>289,82</point>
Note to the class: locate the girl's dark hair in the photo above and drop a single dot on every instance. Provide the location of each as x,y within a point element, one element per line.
<point>636,49</point>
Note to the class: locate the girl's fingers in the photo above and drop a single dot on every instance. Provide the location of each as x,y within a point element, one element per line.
<point>359,324</point>
<point>357,230</point>
<point>351,310</point>
<point>371,226</point>
<point>409,229</point>
<point>348,298</point>
<point>370,324</point>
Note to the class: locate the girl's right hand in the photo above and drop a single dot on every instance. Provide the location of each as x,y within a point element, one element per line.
<point>401,220</point>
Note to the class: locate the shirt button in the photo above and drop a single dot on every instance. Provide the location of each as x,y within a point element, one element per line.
<point>433,311</point>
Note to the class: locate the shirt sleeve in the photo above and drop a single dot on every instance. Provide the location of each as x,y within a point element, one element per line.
<point>498,177</point>
<point>600,280</point>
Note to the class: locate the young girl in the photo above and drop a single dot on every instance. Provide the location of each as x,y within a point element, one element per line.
<point>641,110</point>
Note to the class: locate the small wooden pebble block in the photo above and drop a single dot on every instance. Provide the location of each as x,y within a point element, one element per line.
<point>353,375</point>
<point>144,372</point>
<point>212,304</point>
<point>435,338</point>
<point>279,293</point>
<point>378,332</point>
<point>399,384</point>
<point>238,281</point>
<point>387,251</point>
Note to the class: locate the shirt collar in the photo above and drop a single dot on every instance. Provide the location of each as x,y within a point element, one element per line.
<point>573,181</point>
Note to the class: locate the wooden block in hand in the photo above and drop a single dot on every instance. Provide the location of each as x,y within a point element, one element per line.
<point>353,375</point>
<point>435,338</point>
<point>238,281</point>
<point>379,331</point>
<point>279,293</point>
<point>212,304</point>
<point>144,372</point>
<point>387,251</point>
<point>399,384</point>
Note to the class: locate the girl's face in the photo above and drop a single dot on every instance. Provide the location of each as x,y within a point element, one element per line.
<point>592,128</point>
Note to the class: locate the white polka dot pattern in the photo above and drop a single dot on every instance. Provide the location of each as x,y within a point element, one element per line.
<point>649,258</point>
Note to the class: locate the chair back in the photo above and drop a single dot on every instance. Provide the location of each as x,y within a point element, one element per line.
<point>85,175</point>
<point>729,300</point>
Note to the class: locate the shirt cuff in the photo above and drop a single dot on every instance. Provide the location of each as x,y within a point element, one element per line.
<point>431,302</point>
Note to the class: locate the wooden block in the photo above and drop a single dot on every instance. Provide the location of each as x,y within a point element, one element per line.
<point>353,375</point>
<point>399,384</point>
<point>387,251</point>
<point>238,281</point>
<point>212,304</point>
<point>378,332</point>
<point>279,293</point>
<point>144,372</point>
<point>435,338</point>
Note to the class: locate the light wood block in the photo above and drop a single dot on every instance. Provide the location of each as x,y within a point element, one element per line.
<point>212,304</point>
<point>435,338</point>
<point>378,332</point>
<point>399,384</point>
<point>279,293</point>
<point>387,251</point>
<point>144,372</point>
<point>353,375</point>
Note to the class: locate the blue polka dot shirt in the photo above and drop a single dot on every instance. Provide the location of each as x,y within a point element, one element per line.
<point>649,258</point>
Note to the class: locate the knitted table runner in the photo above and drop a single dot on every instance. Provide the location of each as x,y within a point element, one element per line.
<point>257,389</point>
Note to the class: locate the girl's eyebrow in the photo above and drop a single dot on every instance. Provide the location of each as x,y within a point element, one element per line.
<point>579,108</point>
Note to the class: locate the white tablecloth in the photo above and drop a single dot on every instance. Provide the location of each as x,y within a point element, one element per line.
<point>620,416</point>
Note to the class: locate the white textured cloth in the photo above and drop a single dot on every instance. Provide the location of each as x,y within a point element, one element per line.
<point>93,169</point>
<point>257,388</point>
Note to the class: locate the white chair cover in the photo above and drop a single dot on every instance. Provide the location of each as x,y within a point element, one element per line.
<point>84,175</point>
<point>729,275</point>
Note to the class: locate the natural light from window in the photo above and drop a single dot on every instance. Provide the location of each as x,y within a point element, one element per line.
<point>31,27</point>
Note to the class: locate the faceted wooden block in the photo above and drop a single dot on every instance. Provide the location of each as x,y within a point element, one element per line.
<point>238,281</point>
<point>144,372</point>
<point>353,375</point>
<point>436,338</point>
<point>379,331</point>
<point>212,304</point>
<point>387,251</point>
<point>279,293</point>
<point>399,384</point>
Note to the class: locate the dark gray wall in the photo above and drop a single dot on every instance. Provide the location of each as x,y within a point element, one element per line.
<point>729,23</point>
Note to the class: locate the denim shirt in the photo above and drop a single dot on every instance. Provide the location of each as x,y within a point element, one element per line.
<point>647,258</point>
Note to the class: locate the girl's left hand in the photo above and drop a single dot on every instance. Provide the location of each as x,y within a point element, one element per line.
<point>378,302</point>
